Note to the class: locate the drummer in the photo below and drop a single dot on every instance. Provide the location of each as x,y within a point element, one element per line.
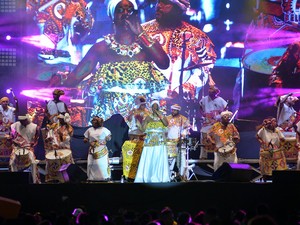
<point>55,107</point>
<point>271,155</point>
<point>60,133</point>
<point>224,136</point>
<point>178,126</point>
<point>58,138</point>
<point>210,108</point>
<point>24,135</point>
<point>98,159</point>
<point>286,114</point>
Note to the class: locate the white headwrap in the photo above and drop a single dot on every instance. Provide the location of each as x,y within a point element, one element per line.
<point>226,113</point>
<point>183,4</point>
<point>26,117</point>
<point>176,107</point>
<point>154,101</point>
<point>112,6</point>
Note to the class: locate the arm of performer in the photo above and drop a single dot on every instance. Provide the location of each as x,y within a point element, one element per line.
<point>85,66</point>
<point>162,118</point>
<point>154,50</point>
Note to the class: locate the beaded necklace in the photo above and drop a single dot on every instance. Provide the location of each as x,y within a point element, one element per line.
<point>125,50</point>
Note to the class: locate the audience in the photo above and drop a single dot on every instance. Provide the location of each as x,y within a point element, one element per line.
<point>211,216</point>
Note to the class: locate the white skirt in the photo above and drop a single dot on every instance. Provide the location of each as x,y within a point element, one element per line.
<point>153,166</point>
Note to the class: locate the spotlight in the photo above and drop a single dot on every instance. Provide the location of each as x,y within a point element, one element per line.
<point>8,37</point>
<point>8,91</point>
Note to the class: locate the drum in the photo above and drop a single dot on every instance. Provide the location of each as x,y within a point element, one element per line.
<point>22,158</point>
<point>99,152</point>
<point>54,160</point>
<point>227,149</point>
<point>263,61</point>
<point>290,146</point>
<point>272,160</point>
<point>131,152</point>
<point>5,146</point>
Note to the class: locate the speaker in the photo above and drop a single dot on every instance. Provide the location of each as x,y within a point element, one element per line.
<point>15,177</point>
<point>233,172</point>
<point>72,173</point>
<point>286,176</point>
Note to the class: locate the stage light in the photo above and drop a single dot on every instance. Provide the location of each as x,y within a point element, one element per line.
<point>208,28</point>
<point>8,37</point>
<point>8,91</point>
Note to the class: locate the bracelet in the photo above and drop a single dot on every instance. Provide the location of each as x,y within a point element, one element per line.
<point>146,40</point>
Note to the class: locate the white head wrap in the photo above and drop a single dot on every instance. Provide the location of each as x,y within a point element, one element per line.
<point>226,113</point>
<point>176,107</point>
<point>26,117</point>
<point>154,101</point>
<point>183,4</point>
<point>112,6</point>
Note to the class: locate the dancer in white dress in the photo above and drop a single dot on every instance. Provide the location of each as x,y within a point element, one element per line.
<point>153,166</point>
<point>98,161</point>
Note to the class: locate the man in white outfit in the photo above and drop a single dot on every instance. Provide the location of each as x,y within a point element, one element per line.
<point>56,106</point>
<point>210,108</point>
<point>286,113</point>
<point>24,135</point>
<point>7,113</point>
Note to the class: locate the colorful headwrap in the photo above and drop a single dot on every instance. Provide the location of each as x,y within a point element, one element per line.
<point>183,4</point>
<point>58,92</point>
<point>268,121</point>
<point>140,100</point>
<point>176,107</point>
<point>214,87</point>
<point>112,6</point>
<point>226,113</point>
<point>4,99</point>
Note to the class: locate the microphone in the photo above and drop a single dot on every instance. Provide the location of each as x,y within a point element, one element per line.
<point>12,92</point>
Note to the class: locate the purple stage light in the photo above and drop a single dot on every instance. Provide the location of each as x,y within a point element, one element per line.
<point>240,166</point>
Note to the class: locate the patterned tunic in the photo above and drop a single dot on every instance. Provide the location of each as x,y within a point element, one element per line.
<point>271,155</point>
<point>172,41</point>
